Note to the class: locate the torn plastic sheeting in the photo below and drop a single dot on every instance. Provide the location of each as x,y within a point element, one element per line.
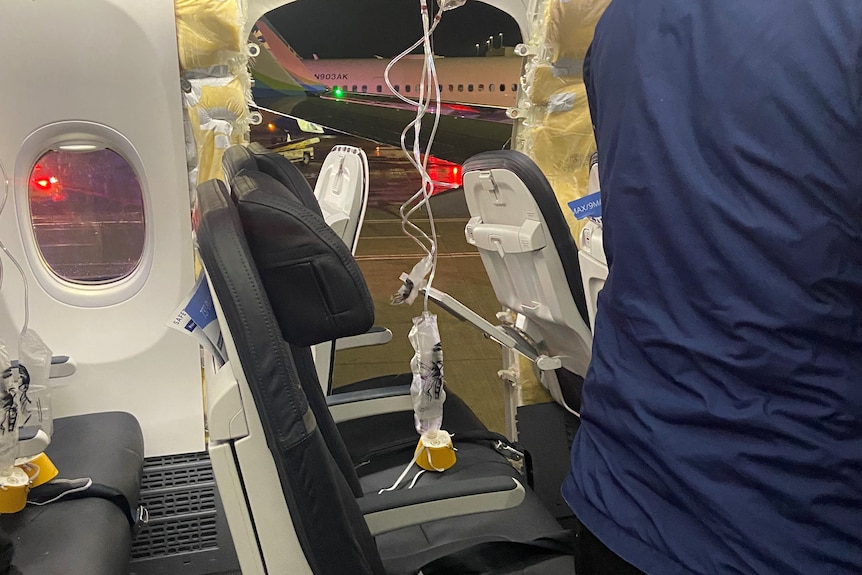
<point>561,102</point>
<point>561,145</point>
<point>212,137</point>
<point>544,82</point>
<point>223,98</point>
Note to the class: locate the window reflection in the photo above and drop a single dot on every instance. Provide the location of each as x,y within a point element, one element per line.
<point>87,213</point>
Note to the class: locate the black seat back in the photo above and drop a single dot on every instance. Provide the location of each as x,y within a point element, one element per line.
<point>329,526</point>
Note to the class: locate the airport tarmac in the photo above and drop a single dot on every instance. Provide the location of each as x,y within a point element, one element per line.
<point>471,361</point>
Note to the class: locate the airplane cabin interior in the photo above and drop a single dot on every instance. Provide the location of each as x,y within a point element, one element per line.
<point>174,296</point>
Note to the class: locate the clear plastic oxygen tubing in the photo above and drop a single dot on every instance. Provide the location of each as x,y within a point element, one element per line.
<point>4,183</point>
<point>428,81</point>
<point>429,88</point>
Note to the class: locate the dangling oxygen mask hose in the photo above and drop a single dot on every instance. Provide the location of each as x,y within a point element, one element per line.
<point>434,451</point>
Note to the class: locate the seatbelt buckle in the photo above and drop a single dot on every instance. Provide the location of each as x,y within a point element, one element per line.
<point>508,451</point>
<point>142,518</point>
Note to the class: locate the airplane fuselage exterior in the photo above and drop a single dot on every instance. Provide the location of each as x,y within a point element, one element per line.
<point>491,81</point>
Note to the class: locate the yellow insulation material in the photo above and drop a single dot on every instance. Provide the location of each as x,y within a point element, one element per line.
<point>557,131</point>
<point>207,32</point>
<point>212,137</point>
<point>225,99</point>
<point>217,115</point>
<point>532,391</point>
<point>562,145</point>
<point>543,83</point>
<point>571,24</point>
<point>210,154</point>
<point>560,137</point>
<point>221,98</point>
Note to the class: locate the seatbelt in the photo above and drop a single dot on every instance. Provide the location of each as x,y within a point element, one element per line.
<point>67,489</point>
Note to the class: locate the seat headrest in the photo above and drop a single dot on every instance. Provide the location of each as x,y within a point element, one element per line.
<point>256,157</point>
<point>314,285</point>
<point>235,159</point>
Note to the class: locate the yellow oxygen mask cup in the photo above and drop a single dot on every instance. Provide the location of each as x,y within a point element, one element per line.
<point>435,451</point>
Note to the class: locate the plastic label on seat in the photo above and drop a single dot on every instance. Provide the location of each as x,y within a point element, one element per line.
<point>587,207</point>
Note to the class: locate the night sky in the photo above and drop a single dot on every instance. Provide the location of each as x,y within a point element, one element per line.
<point>368,28</point>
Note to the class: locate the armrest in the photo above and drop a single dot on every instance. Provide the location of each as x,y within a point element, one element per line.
<point>32,441</point>
<point>366,403</point>
<point>393,510</point>
<point>496,333</point>
<point>61,366</point>
<point>374,336</point>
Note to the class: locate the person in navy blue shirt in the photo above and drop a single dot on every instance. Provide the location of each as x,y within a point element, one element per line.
<point>722,415</point>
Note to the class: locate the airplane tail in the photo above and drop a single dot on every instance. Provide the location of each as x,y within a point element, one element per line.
<point>277,66</point>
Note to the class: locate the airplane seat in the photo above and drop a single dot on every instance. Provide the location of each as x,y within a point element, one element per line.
<point>342,191</point>
<point>527,249</point>
<point>591,256</point>
<point>269,244</point>
<point>594,266</point>
<point>529,253</point>
<point>87,531</point>
<point>347,196</point>
<point>365,433</point>
<point>256,157</point>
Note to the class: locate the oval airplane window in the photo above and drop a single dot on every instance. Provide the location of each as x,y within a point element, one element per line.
<point>87,213</point>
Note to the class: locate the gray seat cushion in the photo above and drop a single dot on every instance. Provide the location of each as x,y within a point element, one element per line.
<point>86,535</point>
<point>82,536</point>
<point>107,447</point>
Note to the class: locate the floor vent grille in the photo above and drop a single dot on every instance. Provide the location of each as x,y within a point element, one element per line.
<point>179,494</point>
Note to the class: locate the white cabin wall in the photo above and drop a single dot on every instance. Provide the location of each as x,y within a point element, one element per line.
<point>112,62</point>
